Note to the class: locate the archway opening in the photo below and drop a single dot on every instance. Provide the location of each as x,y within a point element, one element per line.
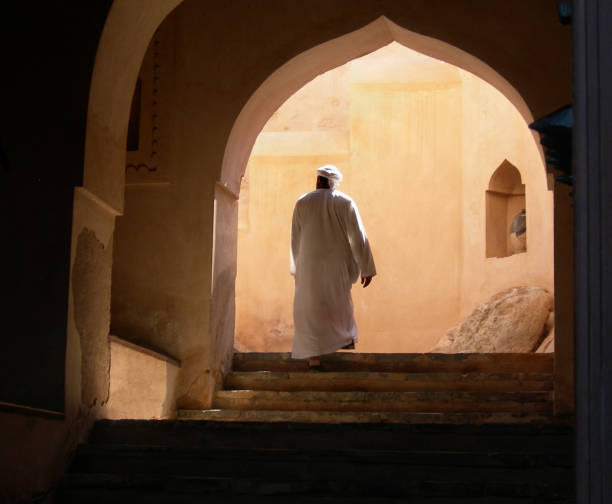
<point>418,140</point>
<point>211,329</point>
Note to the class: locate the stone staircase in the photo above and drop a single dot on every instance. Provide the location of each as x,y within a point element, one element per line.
<point>434,429</point>
<point>402,388</point>
<point>188,461</point>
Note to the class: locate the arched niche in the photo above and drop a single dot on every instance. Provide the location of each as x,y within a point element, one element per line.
<point>505,212</point>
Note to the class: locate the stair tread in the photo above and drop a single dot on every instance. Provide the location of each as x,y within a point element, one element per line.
<point>335,417</point>
<point>384,401</point>
<point>373,357</point>
<point>360,395</point>
<point>417,376</point>
<point>390,381</point>
<point>202,434</point>
<point>345,361</point>
<point>191,489</point>
<point>345,465</point>
<point>282,463</point>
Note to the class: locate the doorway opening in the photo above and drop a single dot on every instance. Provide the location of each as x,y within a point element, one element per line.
<point>419,141</point>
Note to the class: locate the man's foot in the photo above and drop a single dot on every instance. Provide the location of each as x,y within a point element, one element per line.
<point>349,346</point>
<point>314,364</point>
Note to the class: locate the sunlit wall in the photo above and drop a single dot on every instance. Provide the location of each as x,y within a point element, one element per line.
<point>417,140</point>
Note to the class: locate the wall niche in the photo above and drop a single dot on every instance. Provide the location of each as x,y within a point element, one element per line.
<point>506,212</point>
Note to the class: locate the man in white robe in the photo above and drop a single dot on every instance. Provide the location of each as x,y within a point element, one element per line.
<point>329,249</point>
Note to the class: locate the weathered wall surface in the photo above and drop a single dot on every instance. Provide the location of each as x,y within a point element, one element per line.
<point>90,294</point>
<point>142,382</point>
<point>417,141</point>
<point>223,306</point>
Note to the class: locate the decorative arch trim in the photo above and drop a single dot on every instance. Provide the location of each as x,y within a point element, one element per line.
<point>129,28</point>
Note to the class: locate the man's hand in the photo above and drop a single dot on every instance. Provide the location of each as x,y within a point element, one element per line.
<point>365,281</point>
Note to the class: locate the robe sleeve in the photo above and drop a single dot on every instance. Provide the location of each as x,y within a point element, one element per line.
<point>358,240</point>
<point>295,240</point>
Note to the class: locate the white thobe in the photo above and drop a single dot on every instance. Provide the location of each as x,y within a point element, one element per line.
<point>329,249</point>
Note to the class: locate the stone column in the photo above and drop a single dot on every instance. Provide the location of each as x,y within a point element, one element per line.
<point>592,29</point>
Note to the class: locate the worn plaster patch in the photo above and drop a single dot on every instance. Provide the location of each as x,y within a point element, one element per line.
<point>91,283</point>
<point>223,314</point>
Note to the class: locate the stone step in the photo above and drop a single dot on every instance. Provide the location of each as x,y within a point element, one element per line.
<point>288,473</point>
<point>389,382</point>
<point>282,464</point>
<point>400,363</point>
<point>352,472</point>
<point>130,496</point>
<point>182,461</point>
<point>477,437</point>
<point>368,417</point>
<point>416,402</point>
<point>99,488</point>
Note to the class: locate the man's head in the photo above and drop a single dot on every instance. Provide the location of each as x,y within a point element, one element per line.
<point>322,182</point>
<point>328,177</point>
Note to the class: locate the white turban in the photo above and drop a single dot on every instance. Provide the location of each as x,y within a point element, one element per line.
<point>331,173</point>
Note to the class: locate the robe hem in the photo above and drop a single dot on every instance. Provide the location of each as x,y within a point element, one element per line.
<point>323,352</point>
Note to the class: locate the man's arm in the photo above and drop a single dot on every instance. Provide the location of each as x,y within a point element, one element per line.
<point>360,245</point>
<point>365,281</point>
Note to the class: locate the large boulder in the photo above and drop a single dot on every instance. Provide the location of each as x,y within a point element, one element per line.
<point>512,321</point>
<point>548,344</point>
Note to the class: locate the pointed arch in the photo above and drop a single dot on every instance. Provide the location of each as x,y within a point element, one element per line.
<point>295,73</point>
<point>505,205</point>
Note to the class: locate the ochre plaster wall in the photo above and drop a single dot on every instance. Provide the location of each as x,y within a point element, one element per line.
<point>417,141</point>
